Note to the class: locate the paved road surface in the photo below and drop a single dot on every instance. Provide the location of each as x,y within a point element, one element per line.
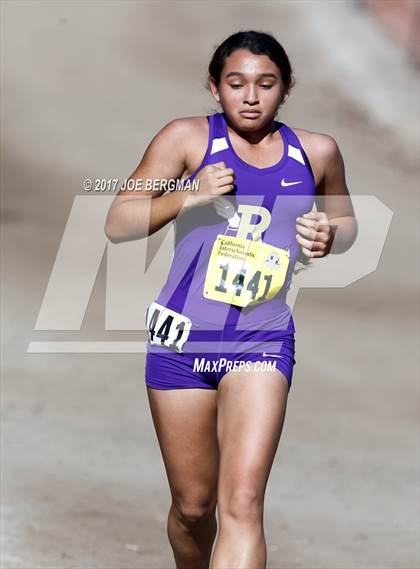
<point>85,86</point>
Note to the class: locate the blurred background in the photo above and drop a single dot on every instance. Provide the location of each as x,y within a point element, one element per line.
<point>85,86</point>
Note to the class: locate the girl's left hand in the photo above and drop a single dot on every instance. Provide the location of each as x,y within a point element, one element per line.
<point>315,233</point>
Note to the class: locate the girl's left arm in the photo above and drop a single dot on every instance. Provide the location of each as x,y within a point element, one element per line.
<point>333,227</point>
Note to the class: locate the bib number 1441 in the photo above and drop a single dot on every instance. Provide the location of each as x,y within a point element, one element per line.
<point>243,272</point>
<point>238,281</point>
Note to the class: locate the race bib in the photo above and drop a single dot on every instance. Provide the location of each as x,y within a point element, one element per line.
<point>166,327</point>
<point>244,272</point>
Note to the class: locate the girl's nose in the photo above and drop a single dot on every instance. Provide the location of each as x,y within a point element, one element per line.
<point>251,96</point>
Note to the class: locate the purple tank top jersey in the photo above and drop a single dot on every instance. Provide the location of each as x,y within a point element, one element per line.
<point>263,206</point>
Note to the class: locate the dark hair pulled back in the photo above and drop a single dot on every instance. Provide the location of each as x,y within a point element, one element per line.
<point>259,43</point>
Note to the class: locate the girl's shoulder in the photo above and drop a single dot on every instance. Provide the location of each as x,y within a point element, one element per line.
<point>321,149</point>
<point>187,132</point>
<point>317,143</point>
<point>187,126</point>
<point>190,135</point>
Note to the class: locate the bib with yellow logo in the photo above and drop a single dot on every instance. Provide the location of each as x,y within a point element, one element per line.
<point>244,272</point>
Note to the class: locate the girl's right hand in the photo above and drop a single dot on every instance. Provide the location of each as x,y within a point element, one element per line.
<point>214,181</point>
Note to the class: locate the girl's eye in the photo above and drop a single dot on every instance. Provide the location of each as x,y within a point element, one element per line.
<point>239,85</point>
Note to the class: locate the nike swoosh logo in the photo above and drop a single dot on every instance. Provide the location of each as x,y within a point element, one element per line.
<point>265,355</point>
<point>285,184</point>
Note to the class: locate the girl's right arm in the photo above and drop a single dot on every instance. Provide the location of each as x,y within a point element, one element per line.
<point>136,214</point>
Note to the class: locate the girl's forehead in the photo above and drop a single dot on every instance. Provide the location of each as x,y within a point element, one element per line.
<point>244,61</point>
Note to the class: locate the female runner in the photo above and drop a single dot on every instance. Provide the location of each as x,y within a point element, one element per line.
<point>221,336</point>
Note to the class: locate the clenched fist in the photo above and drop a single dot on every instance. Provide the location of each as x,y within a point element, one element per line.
<point>316,233</point>
<point>214,181</point>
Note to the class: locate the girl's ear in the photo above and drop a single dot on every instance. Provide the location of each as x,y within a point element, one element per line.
<point>285,97</point>
<point>214,90</point>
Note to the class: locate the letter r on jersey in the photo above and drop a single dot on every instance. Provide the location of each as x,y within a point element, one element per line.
<point>255,230</point>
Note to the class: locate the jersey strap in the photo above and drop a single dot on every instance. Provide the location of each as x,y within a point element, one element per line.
<point>217,133</point>
<point>295,149</point>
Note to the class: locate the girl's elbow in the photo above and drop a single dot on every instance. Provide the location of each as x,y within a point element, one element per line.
<point>355,229</point>
<point>115,237</point>
<point>111,234</point>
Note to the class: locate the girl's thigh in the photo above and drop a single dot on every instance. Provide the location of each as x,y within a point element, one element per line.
<point>251,413</point>
<point>185,421</point>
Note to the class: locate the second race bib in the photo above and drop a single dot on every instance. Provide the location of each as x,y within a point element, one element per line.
<point>166,327</point>
<point>244,272</point>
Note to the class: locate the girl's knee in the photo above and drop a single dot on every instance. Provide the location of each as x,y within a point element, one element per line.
<point>241,505</point>
<point>190,512</point>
